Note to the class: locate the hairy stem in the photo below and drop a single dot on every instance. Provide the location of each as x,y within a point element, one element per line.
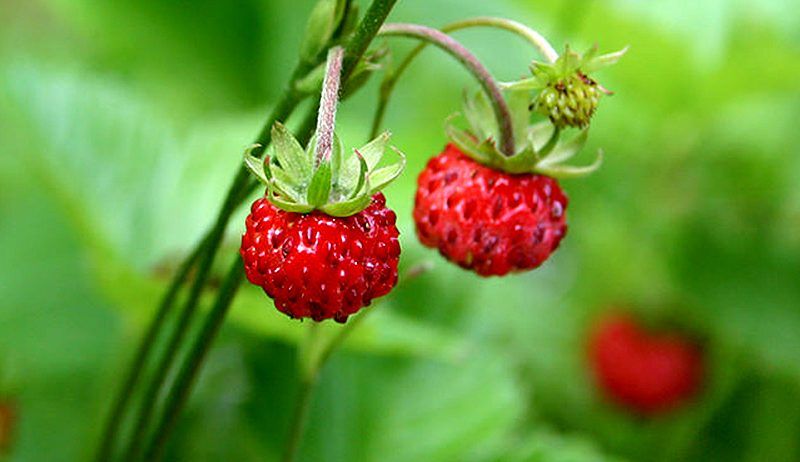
<point>391,78</point>
<point>328,102</point>
<point>469,61</point>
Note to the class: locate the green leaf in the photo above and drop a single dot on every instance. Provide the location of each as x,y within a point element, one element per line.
<point>381,177</point>
<point>320,188</point>
<point>289,154</point>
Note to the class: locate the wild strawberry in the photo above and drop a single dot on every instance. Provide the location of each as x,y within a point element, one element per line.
<point>490,211</point>
<point>7,420</point>
<point>488,220</point>
<point>318,266</point>
<point>322,243</point>
<point>649,373</point>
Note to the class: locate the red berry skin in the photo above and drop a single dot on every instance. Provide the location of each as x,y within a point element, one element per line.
<point>7,421</point>
<point>317,266</point>
<point>648,373</point>
<point>486,220</point>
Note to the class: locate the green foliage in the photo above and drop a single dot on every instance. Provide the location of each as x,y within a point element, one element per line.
<point>121,124</point>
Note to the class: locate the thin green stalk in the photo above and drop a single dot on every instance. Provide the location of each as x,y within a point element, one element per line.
<point>234,197</point>
<point>143,351</point>
<point>365,33</point>
<point>314,354</point>
<point>391,78</point>
<point>472,64</point>
<point>180,391</point>
<point>299,419</point>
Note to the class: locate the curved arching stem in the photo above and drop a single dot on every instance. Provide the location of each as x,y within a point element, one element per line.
<point>389,82</point>
<point>469,61</point>
<point>530,35</point>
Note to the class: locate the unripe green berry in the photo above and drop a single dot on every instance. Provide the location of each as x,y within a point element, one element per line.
<point>569,102</point>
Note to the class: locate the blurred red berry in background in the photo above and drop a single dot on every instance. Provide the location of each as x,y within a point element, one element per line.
<point>644,371</point>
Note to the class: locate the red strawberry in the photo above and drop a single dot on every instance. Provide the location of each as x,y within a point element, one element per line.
<point>647,372</point>
<point>7,418</point>
<point>487,220</point>
<point>318,266</point>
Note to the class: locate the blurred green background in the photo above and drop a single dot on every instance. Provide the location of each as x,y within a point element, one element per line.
<point>122,122</point>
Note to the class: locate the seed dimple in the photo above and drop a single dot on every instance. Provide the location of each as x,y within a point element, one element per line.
<point>287,247</point>
<point>469,209</point>
<point>558,209</point>
<point>497,209</point>
<point>433,185</point>
<point>433,217</point>
<point>451,202</point>
<point>451,236</point>
<point>309,237</point>
<point>490,243</point>
<point>450,176</point>
<point>515,200</point>
<point>538,233</point>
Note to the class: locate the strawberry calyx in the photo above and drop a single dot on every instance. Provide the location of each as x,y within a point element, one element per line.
<point>539,147</point>
<point>567,96</point>
<point>341,185</point>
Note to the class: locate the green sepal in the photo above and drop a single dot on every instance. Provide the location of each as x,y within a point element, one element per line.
<point>340,186</point>
<point>322,23</point>
<point>320,188</point>
<point>362,174</point>
<point>311,82</point>
<point>289,206</point>
<point>374,150</point>
<point>596,63</point>
<point>571,171</point>
<point>565,151</point>
<point>367,66</point>
<point>348,207</point>
<point>288,152</point>
<point>255,165</point>
<point>381,177</point>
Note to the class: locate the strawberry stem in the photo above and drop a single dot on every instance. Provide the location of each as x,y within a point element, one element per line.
<point>391,78</point>
<point>328,102</point>
<point>471,63</point>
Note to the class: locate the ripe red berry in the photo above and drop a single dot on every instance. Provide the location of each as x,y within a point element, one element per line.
<point>647,372</point>
<point>7,421</point>
<point>487,220</point>
<point>318,266</point>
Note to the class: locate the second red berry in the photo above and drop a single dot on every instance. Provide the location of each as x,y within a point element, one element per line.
<point>487,220</point>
